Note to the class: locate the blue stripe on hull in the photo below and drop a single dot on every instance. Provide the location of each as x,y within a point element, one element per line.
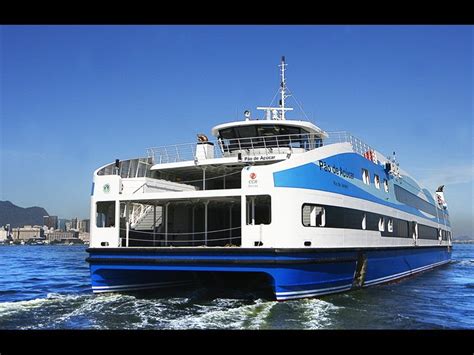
<point>294,273</point>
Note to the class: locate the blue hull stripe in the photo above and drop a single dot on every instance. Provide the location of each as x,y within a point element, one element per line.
<point>405,273</point>
<point>136,286</point>
<point>310,293</point>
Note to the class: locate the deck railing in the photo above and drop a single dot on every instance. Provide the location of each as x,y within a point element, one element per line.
<point>130,168</point>
<point>253,146</point>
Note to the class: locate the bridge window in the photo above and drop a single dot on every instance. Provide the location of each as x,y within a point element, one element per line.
<point>105,214</point>
<point>385,185</point>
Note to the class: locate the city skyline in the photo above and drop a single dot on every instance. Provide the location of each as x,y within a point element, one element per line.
<point>78,97</point>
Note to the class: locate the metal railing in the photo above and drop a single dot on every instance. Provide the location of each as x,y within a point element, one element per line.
<point>253,146</point>
<point>131,168</point>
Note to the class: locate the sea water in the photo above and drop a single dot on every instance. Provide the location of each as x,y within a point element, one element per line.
<point>48,287</point>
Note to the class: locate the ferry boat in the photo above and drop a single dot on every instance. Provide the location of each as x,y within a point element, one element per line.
<point>277,202</point>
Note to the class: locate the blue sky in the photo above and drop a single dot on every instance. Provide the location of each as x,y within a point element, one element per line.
<point>76,97</point>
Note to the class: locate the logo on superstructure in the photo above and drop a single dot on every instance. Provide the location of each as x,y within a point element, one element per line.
<point>106,188</point>
<point>253,182</point>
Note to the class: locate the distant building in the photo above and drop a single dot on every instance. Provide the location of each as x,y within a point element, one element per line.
<point>85,237</point>
<point>84,225</point>
<point>74,224</point>
<point>63,237</point>
<point>68,226</point>
<point>27,232</point>
<point>62,224</point>
<point>51,222</point>
<point>3,234</point>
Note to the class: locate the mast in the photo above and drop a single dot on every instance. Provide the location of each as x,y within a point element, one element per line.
<point>278,113</point>
<point>282,87</point>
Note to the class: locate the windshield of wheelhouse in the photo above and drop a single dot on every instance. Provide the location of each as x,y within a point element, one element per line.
<point>267,136</point>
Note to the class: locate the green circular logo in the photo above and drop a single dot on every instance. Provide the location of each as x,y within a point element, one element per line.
<point>106,188</point>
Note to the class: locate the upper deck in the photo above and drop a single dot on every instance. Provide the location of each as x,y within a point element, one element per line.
<point>259,146</point>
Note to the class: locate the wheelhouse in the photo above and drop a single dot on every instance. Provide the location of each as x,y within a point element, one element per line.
<point>263,135</point>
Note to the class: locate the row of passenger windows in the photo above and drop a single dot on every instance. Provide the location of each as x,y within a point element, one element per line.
<point>401,194</point>
<point>366,180</point>
<point>348,218</point>
<point>410,199</point>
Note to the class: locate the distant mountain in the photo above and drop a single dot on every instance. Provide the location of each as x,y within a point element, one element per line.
<point>463,238</point>
<point>19,216</point>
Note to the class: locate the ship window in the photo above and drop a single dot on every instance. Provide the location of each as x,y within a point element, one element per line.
<point>372,221</point>
<point>313,216</point>
<point>390,225</point>
<point>377,181</point>
<point>410,199</point>
<point>385,185</point>
<point>381,224</point>
<point>246,131</point>
<point>401,228</point>
<point>365,176</point>
<point>105,214</point>
<point>427,232</point>
<point>352,218</point>
<point>259,210</point>
<point>227,133</point>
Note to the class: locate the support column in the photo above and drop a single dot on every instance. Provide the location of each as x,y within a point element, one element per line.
<point>166,223</point>
<point>117,220</point>
<point>127,223</point>
<point>253,211</point>
<point>230,224</point>
<point>224,177</point>
<point>192,219</point>
<point>154,224</point>
<point>203,178</point>
<point>205,222</point>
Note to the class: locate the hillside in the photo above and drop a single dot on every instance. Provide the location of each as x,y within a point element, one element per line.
<point>19,216</point>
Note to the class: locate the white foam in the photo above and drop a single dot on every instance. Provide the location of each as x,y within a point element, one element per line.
<point>230,317</point>
<point>317,313</point>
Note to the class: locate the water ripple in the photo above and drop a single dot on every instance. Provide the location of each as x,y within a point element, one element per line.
<point>57,295</point>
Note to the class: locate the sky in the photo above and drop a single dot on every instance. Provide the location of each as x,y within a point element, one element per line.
<point>73,98</point>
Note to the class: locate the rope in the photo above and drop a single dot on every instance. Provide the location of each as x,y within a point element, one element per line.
<point>297,102</point>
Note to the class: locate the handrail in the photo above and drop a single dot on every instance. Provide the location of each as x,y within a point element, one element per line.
<point>254,146</point>
<point>142,185</point>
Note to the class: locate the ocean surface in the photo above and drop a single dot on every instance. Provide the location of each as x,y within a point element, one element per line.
<point>48,287</point>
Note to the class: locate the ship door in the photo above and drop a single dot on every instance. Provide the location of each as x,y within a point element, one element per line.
<point>258,215</point>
